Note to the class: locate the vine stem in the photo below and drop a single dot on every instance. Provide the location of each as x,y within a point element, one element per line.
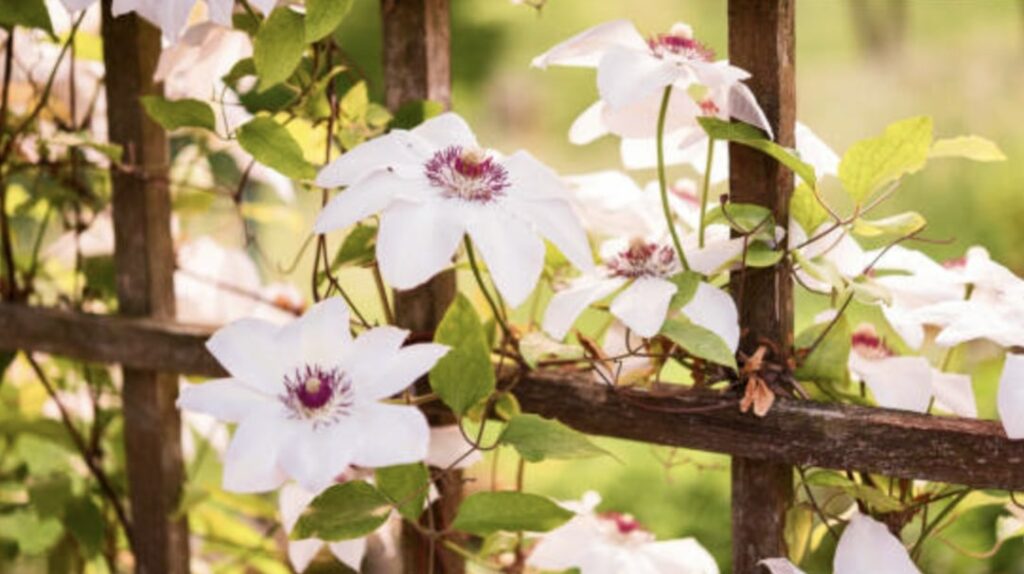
<point>704,192</point>
<point>495,309</point>
<point>663,181</point>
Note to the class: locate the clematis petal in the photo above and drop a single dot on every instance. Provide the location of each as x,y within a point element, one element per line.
<point>715,310</point>
<point>445,130</point>
<point>815,151</point>
<point>586,48</point>
<point>513,252</point>
<point>316,456</point>
<point>367,197</point>
<point>321,335</point>
<point>292,499</point>
<point>780,566</point>
<point>719,75</point>
<point>897,382</point>
<point>625,75</point>
<point>644,305</point>
<point>225,399</point>
<point>744,107</point>
<point>567,305</point>
<point>716,253</point>
<point>400,370</point>
<point>398,150</point>
<point>867,546</point>
<point>683,556</point>
<point>251,461</point>
<point>1011,396</point>
<point>349,552</point>
<point>416,241</point>
<point>302,552</point>
<point>589,125</point>
<point>375,347</point>
<point>248,350</point>
<point>566,546</point>
<point>392,434</point>
<point>953,392</point>
<point>639,119</point>
<point>447,445</point>
<point>220,11</point>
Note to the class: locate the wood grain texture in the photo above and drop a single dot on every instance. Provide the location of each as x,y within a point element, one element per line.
<point>144,260</point>
<point>762,41</point>
<point>971,452</point>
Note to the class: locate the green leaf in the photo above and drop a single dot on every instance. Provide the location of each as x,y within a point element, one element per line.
<point>27,13</point>
<point>485,512</point>
<point>873,497</point>
<point>271,144</point>
<point>873,163</point>
<point>356,102</point>
<point>828,362</point>
<point>537,438</point>
<point>537,346</point>
<point>174,114</point>
<point>412,114</point>
<point>899,225</point>
<point>760,254</point>
<point>464,376</point>
<point>86,523</point>
<point>699,342</point>
<point>342,512</point>
<point>506,406</point>
<point>750,136</point>
<point>744,218</point>
<point>358,247</point>
<point>407,486</point>
<point>278,46</point>
<point>50,494</point>
<point>34,535</point>
<point>806,210</point>
<point>323,17</point>
<point>968,147</point>
<point>686,285</point>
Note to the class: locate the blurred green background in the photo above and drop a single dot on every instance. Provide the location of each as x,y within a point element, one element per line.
<point>861,64</point>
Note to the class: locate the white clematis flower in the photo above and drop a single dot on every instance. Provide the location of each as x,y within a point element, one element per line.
<point>194,66</point>
<point>308,399</point>
<point>170,16</point>
<point>865,546</point>
<point>642,270</point>
<point>908,383</point>
<point>611,204</point>
<point>612,543</point>
<point>433,185</point>
<point>1011,396</point>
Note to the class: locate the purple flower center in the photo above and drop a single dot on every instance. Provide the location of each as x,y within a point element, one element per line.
<point>468,174</point>
<point>679,46</point>
<point>317,394</point>
<point>643,259</point>
<point>625,528</point>
<point>866,343</point>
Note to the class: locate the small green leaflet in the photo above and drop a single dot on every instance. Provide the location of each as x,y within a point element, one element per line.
<point>828,362</point>
<point>805,209</point>
<point>324,16</point>
<point>26,13</point>
<point>278,46</point>
<point>537,438</point>
<point>342,512</point>
<point>873,163</point>
<point>464,376</point>
<point>899,225</point>
<point>407,486</point>
<point>968,147</point>
<point>750,136</point>
<point>174,114</point>
<point>357,249</point>
<point>483,513</point>
<point>698,341</point>
<point>686,286</point>
<point>873,497</point>
<point>271,144</point>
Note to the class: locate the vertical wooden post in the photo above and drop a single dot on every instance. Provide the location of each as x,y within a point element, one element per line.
<point>144,257</point>
<point>417,66</point>
<point>761,41</point>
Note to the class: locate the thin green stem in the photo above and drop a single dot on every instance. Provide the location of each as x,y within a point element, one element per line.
<point>704,192</point>
<point>495,309</point>
<point>663,181</point>
<point>930,527</point>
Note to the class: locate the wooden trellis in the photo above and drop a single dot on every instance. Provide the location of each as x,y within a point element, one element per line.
<point>145,341</point>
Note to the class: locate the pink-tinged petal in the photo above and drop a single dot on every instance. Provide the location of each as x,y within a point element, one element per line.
<point>225,399</point>
<point>397,151</point>
<point>744,107</point>
<point>370,350</point>
<point>292,499</point>
<point>302,552</point>
<point>512,251</point>
<point>316,456</point>
<point>448,445</point>
<point>349,552</point>
<point>567,305</point>
<point>251,461</point>
<point>445,130</point>
<point>76,5</point>
<point>367,197</point>
<point>400,370</point>
<point>641,152</point>
<point>626,76</point>
<point>715,310</point>
<point>248,349</point>
<point>902,321</point>
<point>640,119</point>
<point>391,434</point>
<point>589,125</point>
<point>815,151</point>
<point>1011,396</point>
<point>220,11</point>
<point>684,556</point>
<point>264,6</point>
<point>867,546</point>
<point>566,546</point>
<point>417,241</point>
<point>586,48</point>
<point>897,382</point>
<point>716,253</point>
<point>718,75</point>
<point>780,566</point>
<point>644,305</point>
<point>320,336</point>
<point>954,393</point>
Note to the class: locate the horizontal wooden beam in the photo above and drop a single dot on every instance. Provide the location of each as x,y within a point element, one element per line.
<point>895,443</point>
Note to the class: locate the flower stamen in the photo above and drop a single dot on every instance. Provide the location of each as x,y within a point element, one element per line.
<point>467,173</point>
<point>320,395</point>
<point>643,259</point>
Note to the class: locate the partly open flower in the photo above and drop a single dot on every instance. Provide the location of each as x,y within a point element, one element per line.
<point>865,546</point>
<point>641,270</point>
<point>433,185</point>
<point>907,382</point>
<point>613,543</point>
<point>309,399</point>
<point>1011,396</point>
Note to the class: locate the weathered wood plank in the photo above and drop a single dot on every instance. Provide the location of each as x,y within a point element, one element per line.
<point>761,41</point>
<point>144,260</point>
<point>884,441</point>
